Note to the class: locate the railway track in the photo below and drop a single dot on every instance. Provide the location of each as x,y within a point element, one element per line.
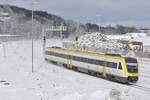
<point>146,72</point>
<point>147,89</point>
<point>145,77</point>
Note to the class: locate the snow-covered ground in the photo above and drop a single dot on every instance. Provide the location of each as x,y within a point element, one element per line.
<point>51,82</point>
<point>7,35</point>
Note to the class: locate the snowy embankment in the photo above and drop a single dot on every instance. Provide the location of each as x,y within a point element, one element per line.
<point>98,40</point>
<point>50,82</point>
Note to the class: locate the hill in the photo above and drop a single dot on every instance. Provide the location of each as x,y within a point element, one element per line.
<point>18,21</point>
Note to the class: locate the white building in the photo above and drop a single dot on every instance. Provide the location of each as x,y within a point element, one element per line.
<point>4,16</point>
<point>135,35</point>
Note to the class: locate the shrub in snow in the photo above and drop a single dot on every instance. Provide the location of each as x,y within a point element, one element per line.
<point>97,40</point>
<point>55,71</point>
<point>115,94</point>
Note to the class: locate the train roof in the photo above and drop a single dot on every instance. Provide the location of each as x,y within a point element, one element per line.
<point>128,59</point>
<point>87,52</point>
<point>56,47</point>
<point>113,54</point>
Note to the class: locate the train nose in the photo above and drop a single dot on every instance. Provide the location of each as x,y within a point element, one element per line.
<point>132,79</point>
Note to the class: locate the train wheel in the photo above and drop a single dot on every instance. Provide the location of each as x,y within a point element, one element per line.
<point>68,66</point>
<point>46,59</point>
<point>75,68</point>
<point>111,78</point>
<point>99,75</point>
<point>94,73</point>
<point>89,72</point>
<point>54,62</point>
<point>65,65</point>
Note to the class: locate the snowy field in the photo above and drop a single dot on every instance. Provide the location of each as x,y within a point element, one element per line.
<point>51,82</point>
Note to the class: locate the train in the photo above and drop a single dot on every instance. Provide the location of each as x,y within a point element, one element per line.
<point>109,66</point>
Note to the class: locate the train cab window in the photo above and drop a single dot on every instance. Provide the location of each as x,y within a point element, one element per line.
<point>120,66</point>
<point>132,68</point>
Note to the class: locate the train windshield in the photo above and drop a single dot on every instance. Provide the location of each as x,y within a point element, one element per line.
<point>132,68</point>
<point>131,65</point>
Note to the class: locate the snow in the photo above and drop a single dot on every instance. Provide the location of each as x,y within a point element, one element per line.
<point>7,35</point>
<point>96,42</point>
<point>119,37</point>
<point>53,82</point>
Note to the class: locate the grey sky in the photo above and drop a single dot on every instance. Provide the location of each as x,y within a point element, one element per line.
<point>104,12</point>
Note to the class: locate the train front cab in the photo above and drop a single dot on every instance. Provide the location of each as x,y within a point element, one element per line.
<point>131,70</point>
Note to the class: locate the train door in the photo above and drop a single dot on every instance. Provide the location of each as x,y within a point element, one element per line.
<point>119,69</point>
<point>111,68</point>
<point>120,73</point>
<point>69,61</point>
<point>104,69</point>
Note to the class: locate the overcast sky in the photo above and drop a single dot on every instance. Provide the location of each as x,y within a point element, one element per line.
<point>103,12</point>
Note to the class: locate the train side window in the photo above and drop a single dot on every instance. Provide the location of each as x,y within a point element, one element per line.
<point>53,53</point>
<point>100,62</point>
<point>78,58</point>
<point>120,66</point>
<point>82,59</point>
<point>91,61</point>
<point>88,60</point>
<point>111,64</point>
<point>97,62</point>
<point>73,57</point>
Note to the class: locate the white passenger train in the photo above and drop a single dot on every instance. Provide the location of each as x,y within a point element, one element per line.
<point>112,66</point>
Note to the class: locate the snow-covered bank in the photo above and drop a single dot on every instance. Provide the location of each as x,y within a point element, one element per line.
<point>51,82</point>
